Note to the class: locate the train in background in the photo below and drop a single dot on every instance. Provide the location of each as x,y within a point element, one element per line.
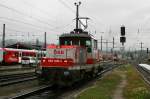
<point>14,56</point>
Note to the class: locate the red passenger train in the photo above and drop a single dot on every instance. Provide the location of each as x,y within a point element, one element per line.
<point>13,56</point>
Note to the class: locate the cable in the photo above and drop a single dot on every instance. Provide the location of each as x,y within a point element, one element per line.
<point>21,13</point>
<point>39,10</point>
<point>8,29</point>
<point>19,21</point>
<point>64,26</point>
<point>67,6</point>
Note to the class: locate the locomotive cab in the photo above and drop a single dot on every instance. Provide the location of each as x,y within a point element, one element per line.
<point>80,38</point>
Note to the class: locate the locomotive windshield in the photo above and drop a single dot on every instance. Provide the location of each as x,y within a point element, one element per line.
<point>75,39</point>
<point>88,43</point>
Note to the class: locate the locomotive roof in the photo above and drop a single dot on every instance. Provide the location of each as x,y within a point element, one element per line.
<point>76,35</point>
<point>23,50</point>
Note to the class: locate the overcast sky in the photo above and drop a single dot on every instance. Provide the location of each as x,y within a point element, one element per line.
<point>29,19</point>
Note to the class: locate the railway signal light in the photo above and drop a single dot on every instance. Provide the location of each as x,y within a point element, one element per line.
<point>123,39</point>
<point>122,30</point>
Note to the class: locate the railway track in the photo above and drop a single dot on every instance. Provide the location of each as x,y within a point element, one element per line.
<point>145,74</point>
<point>15,68</point>
<point>16,78</point>
<point>11,67</point>
<point>43,88</point>
<point>29,92</point>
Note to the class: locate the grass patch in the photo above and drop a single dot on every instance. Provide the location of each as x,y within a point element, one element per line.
<point>136,87</point>
<point>103,89</point>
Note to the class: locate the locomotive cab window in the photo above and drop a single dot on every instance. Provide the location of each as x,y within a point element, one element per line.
<point>88,43</point>
<point>67,42</point>
<point>75,39</point>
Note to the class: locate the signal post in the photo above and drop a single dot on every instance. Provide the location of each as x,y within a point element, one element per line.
<point>122,39</point>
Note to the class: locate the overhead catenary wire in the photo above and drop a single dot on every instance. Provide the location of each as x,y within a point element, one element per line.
<point>67,6</point>
<point>33,29</point>
<point>21,13</point>
<point>38,28</point>
<point>39,10</point>
<point>12,9</point>
<point>22,22</point>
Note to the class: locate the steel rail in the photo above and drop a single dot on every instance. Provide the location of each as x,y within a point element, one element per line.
<point>29,92</point>
<point>17,81</point>
<point>15,76</point>
<point>144,73</point>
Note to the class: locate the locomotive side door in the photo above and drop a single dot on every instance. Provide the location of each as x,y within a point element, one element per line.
<point>82,56</point>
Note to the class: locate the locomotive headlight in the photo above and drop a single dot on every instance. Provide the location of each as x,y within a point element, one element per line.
<point>66,73</point>
<point>65,61</point>
<point>43,60</point>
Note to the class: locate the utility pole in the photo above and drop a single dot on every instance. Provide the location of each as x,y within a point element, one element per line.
<point>141,46</point>
<point>107,42</point>
<point>101,43</point>
<point>37,47</point>
<point>45,41</point>
<point>106,45</point>
<point>141,56</point>
<point>3,40</point>
<point>37,43</point>
<point>113,42</point>
<point>113,45</point>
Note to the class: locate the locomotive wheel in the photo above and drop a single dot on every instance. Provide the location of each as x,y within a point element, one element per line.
<point>82,75</point>
<point>42,81</point>
<point>93,73</point>
<point>100,69</point>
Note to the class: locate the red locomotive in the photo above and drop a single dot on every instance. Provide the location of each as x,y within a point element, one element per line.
<point>75,58</point>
